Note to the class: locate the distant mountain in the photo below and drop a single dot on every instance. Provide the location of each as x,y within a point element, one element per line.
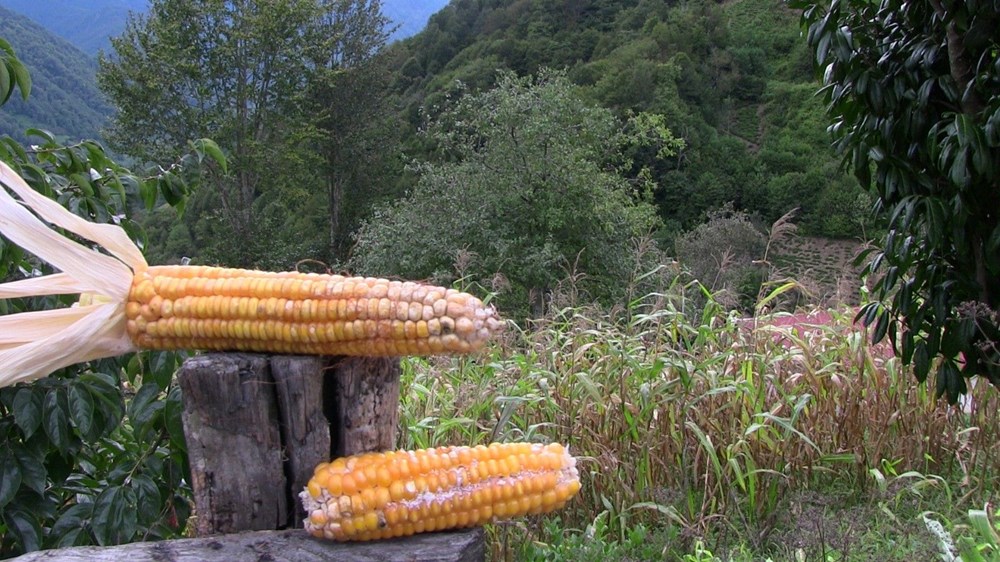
<point>64,96</point>
<point>411,16</point>
<point>88,25</point>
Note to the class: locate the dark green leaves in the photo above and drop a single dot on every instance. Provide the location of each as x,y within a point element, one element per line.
<point>13,74</point>
<point>81,409</point>
<point>84,476</point>
<point>926,132</point>
<point>74,470</point>
<point>28,410</point>
<point>208,147</point>
<point>32,466</point>
<point>71,525</point>
<point>114,517</point>
<point>11,481</point>
<point>25,528</point>
<point>55,419</point>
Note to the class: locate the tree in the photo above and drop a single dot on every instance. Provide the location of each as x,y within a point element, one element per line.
<point>525,187</point>
<point>263,78</point>
<point>348,97</point>
<point>913,91</point>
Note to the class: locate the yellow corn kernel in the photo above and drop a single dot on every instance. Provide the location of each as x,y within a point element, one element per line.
<point>221,309</point>
<point>375,496</point>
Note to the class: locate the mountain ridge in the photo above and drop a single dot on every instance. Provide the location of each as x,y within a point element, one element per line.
<point>90,25</point>
<point>64,97</point>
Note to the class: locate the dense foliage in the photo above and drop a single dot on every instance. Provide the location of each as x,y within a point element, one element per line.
<point>94,453</point>
<point>65,99</point>
<point>258,77</point>
<point>525,185</point>
<point>913,89</point>
<point>731,79</point>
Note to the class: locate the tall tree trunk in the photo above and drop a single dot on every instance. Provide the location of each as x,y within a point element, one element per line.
<point>335,202</point>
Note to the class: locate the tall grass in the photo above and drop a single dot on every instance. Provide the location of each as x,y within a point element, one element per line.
<point>703,424</point>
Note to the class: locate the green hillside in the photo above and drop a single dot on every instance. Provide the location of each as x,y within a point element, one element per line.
<point>733,79</point>
<point>88,25</point>
<point>64,96</point>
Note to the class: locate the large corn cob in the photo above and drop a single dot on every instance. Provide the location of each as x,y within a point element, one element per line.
<point>399,493</point>
<point>127,305</point>
<point>188,307</point>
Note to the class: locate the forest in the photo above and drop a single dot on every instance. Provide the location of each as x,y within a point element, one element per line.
<point>625,182</point>
<point>714,104</point>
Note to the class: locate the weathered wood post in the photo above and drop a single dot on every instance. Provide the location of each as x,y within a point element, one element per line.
<point>256,426</point>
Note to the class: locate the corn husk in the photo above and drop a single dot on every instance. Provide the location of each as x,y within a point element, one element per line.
<point>33,344</point>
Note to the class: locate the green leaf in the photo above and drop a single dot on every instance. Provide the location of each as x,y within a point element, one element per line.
<point>81,408</point>
<point>114,518</point>
<point>145,406</point>
<point>147,498</point>
<point>22,77</point>
<point>11,480</point>
<point>70,524</point>
<point>209,147</point>
<point>33,472</point>
<point>979,520</point>
<point>147,192</point>
<point>6,85</point>
<point>46,135</point>
<point>54,419</point>
<point>162,366</point>
<point>172,414</point>
<point>28,410</point>
<point>921,361</point>
<point>25,528</point>
<point>906,347</point>
<point>108,395</point>
<point>82,180</point>
<point>881,327</point>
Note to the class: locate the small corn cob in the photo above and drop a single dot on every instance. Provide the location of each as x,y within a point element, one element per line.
<point>399,493</point>
<point>127,305</point>
<point>190,307</point>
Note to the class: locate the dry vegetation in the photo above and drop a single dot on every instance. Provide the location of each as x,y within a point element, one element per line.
<point>706,432</point>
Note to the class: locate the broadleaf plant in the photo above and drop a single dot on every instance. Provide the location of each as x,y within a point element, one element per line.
<point>913,94</point>
<point>83,461</point>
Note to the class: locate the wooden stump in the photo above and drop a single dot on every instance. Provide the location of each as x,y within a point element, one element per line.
<point>256,425</point>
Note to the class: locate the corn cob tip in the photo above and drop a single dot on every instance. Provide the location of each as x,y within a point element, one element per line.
<point>399,493</point>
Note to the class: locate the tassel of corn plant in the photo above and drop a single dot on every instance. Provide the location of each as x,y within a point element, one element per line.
<point>127,305</point>
<point>399,493</point>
